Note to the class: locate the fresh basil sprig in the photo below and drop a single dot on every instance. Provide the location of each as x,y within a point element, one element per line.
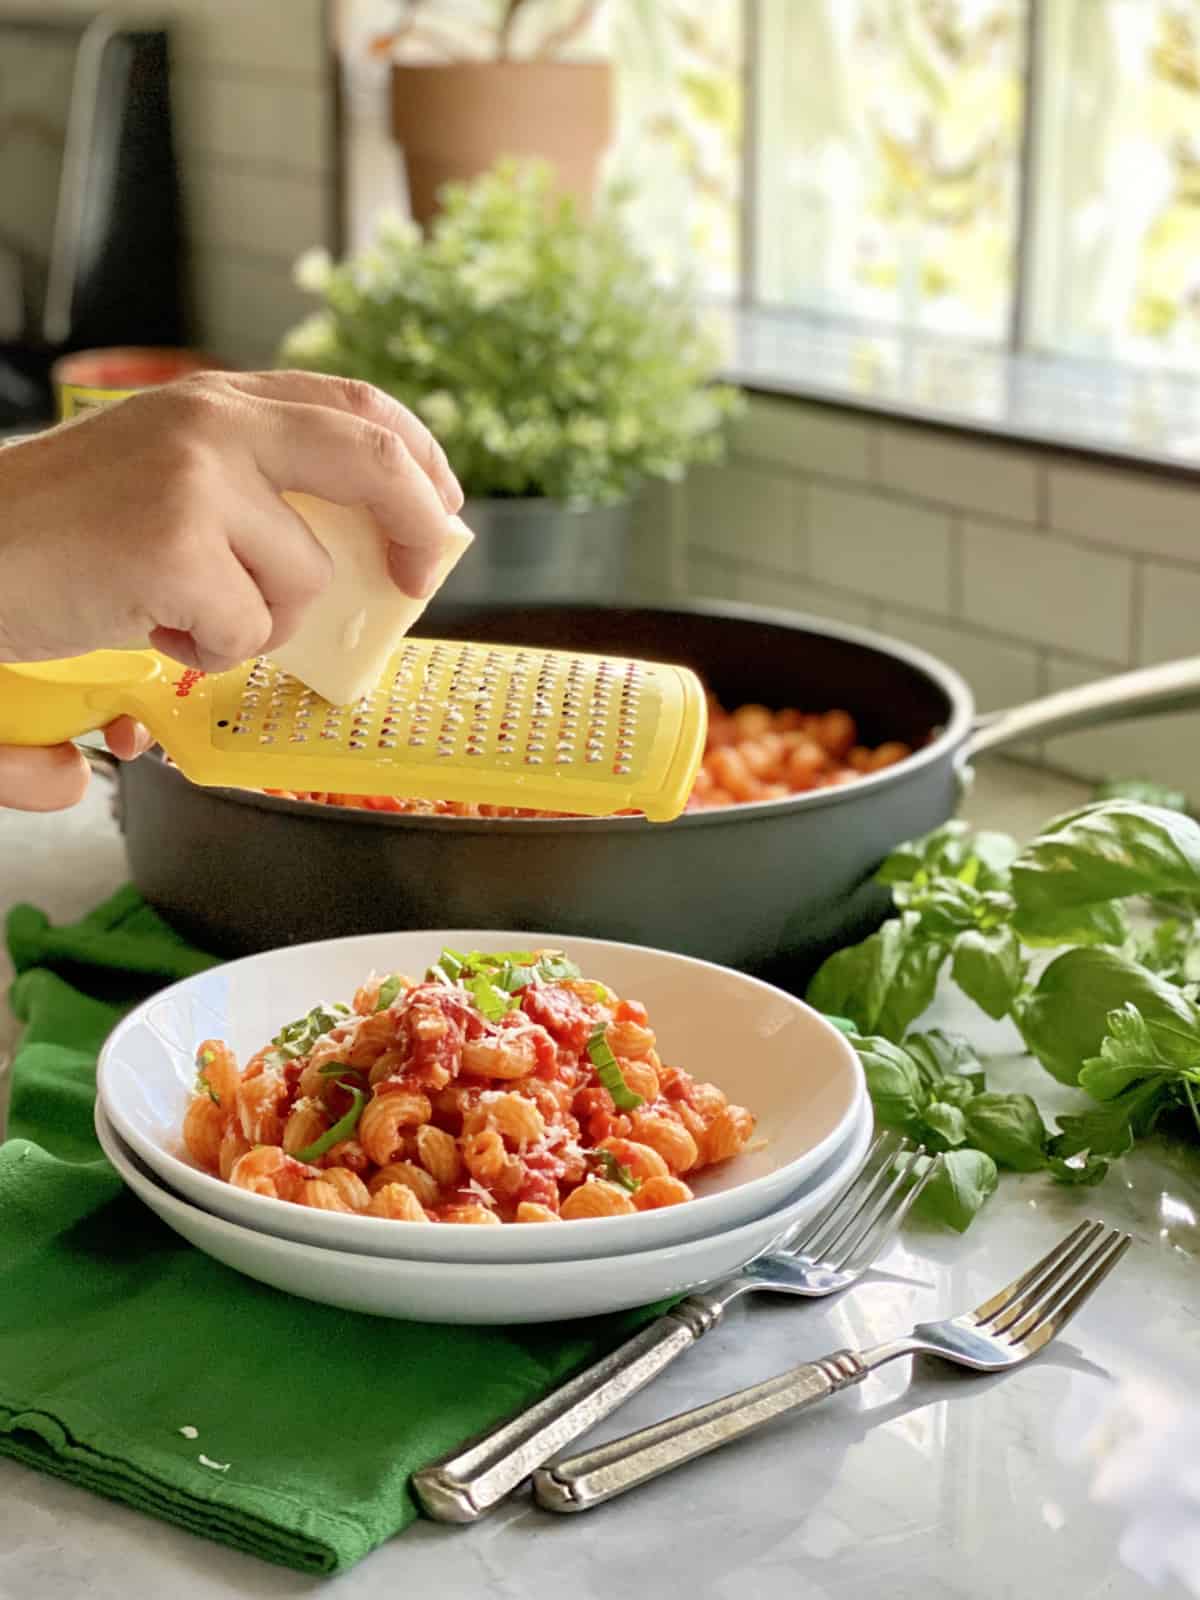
<point>1115,1013</point>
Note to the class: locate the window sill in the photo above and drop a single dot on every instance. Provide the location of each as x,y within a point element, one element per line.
<point>1115,413</point>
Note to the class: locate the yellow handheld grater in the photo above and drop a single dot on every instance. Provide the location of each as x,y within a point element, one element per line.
<point>489,724</point>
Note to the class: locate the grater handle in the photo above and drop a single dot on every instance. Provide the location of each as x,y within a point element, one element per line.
<point>50,702</point>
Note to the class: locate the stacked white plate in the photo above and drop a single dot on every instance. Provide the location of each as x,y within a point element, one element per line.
<point>764,1048</point>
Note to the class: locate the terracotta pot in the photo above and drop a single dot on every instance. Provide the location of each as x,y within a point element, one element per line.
<point>456,121</point>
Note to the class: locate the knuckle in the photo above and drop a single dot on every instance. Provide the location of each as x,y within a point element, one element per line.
<point>363,398</point>
<point>387,448</point>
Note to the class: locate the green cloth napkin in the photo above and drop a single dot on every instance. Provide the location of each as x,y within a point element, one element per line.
<point>117,1339</point>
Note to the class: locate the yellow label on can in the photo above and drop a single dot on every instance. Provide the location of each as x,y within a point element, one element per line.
<point>72,399</point>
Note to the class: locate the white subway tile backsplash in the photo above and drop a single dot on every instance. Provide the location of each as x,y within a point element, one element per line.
<point>1048,591</point>
<point>261,121</point>
<point>1161,749</point>
<point>751,513</point>
<point>759,588</point>
<point>1132,510</point>
<point>268,214</point>
<point>804,438</point>
<point>1170,613</point>
<point>880,547</point>
<point>933,465</point>
<point>1000,673</point>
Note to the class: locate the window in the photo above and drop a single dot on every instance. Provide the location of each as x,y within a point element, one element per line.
<point>1021,173</point>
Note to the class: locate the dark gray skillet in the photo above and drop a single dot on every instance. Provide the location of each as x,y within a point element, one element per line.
<point>769,887</point>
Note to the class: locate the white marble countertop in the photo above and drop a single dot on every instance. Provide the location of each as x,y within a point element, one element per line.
<point>1062,1478</point>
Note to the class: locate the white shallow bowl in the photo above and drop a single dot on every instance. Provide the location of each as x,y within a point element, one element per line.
<point>766,1049</point>
<point>482,1292</point>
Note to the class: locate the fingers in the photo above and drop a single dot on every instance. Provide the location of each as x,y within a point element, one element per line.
<point>287,563</point>
<point>43,779</point>
<point>127,739</point>
<point>372,405</point>
<point>327,453</point>
<point>214,619</point>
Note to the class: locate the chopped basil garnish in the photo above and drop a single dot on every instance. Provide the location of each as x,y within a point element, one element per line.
<point>615,1171</point>
<point>342,1128</point>
<point>491,1000</point>
<point>494,979</point>
<point>204,1087</point>
<point>332,1068</point>
<point>388,990</point>
<point>609,1072</point>
<point>298,1038</point>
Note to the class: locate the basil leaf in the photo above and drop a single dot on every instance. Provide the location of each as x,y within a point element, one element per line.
<point>952,851</point>
<point>1128,1054</point>
<point>1065,1020</point>
<point>451,962</point>
<point>943,1057</point>
<point>388,990</point>
<point>957,1190</point>
<point>615,1171</point>
<point>1009,1128</point>
<point>1147,794</point>
<point>987,966</point>
<point>297,1038</point>
<point>1084,1170</point>
<point>1108,852</point>
<point>1110,1129</point>
<point>885,982</point>
<point>842,1024</point>
<point>492,1001</point>
<point>609,1072</point>
<point>946,1123</point>
<point>1101,923</point>
<point>894,1084</point>
<point>342,1128</point>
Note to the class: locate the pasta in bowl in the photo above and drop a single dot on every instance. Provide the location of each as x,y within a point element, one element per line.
<point>502,1087</point>
<point>468,1092</point>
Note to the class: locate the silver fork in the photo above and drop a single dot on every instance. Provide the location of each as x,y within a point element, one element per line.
<point>1002,1332</point>
<point>832,1252</point>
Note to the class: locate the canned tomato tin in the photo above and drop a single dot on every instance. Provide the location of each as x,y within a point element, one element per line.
<point>93,378</point>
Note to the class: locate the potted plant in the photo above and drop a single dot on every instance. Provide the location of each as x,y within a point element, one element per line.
<point>540,350</point>
<point>475,82</point>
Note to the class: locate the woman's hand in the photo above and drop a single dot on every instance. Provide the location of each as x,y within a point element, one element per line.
<point>160,518</point>
<point>55,777</point>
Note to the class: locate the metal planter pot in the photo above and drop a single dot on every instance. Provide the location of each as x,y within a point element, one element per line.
<point>533,549</point>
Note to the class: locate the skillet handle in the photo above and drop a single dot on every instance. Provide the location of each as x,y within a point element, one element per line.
<point>1173,686</point>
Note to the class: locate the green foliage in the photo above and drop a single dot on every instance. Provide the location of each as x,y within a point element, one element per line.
<point>533,341</point>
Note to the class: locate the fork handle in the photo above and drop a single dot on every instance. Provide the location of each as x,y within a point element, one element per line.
<point>587,1480</point>
<point>465,1486</point>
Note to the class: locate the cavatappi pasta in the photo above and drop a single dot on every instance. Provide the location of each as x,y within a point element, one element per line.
<point>495,1089</point>
<point>751,754</point>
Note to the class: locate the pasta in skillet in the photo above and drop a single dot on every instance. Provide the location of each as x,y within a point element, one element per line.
<point>496,1089</point>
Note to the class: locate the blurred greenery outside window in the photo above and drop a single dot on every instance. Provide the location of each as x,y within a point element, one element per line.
<point>1020,173</point>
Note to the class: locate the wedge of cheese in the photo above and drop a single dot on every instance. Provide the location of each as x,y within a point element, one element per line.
<point>348,634</point>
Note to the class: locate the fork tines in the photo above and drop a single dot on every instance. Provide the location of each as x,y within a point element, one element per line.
<point>1034,1307</point>
<point>854,1228</point>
